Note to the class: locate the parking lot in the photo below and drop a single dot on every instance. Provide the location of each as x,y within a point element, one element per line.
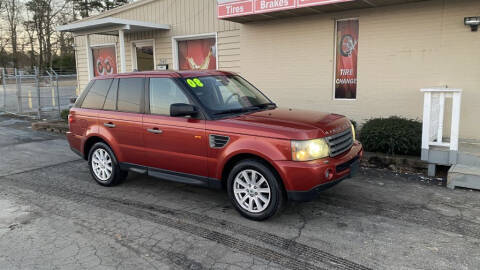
<point>54,216</point>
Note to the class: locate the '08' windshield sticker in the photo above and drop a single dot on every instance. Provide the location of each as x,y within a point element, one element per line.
<point>195,82</point>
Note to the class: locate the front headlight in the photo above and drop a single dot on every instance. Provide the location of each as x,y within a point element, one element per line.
<point>353,132</point>
<point>309,150</point>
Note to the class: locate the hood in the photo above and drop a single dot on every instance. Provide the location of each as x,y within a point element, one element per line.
<point>284,124</point>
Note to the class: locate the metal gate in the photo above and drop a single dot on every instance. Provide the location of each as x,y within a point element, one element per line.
<point>37,95</point>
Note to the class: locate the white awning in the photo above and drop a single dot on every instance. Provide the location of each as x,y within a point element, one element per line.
<point>110,26</point>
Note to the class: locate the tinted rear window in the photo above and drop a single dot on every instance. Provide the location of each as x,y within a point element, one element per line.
<point>130,94</point>
<point>96,95</point>
<point>79,101</point>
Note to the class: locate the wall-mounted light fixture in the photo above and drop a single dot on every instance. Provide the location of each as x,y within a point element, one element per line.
<point>473,22</point>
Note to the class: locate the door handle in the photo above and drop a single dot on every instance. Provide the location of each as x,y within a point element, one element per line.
<point>109,124</point>
<point>155,130</point>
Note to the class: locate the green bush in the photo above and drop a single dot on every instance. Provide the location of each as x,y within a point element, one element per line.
<point>393,135</point>
<point>64,114</point>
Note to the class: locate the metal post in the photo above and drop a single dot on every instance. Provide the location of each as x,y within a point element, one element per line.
<point>50,79</point>
<point>58,95</point>
<point>4,83</point>
<point>37,84</point>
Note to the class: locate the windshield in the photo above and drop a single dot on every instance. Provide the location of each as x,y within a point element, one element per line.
<point>224,95</point>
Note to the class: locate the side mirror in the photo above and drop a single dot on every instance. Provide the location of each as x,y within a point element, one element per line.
<point>73,100</point>
<point>182,109</point>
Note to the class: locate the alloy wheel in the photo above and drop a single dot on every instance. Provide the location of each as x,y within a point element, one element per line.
<point>102,164</point>
<point>252,191</point>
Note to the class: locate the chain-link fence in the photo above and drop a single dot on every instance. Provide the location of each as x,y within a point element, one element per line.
<point>30,93</point>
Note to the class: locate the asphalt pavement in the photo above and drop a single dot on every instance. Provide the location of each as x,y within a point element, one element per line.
<point>54,216</point>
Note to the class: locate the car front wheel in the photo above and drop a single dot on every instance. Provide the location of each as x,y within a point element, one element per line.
<point>255,190</point>
<point>103,165</point>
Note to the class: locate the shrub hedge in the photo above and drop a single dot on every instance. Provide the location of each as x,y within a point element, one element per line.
<point>394,135</point>
<point>64,114</point>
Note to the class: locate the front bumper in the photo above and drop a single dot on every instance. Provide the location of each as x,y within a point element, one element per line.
<point>304,180</point>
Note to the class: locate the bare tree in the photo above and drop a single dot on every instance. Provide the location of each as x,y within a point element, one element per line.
<point>64,40</point>
<point>44,17</point>
<point>29,28</point>
<point>3,53</point>
<point>12,9</point>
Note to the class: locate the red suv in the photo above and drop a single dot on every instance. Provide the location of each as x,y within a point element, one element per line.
<point>214,129</point>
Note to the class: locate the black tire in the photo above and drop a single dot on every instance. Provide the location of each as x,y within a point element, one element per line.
<point>116,175</point>
<point>277,194</point>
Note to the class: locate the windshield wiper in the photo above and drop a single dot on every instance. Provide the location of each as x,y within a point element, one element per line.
<point>238,110</point>
<point>248,109</point>
<point>265,105</point>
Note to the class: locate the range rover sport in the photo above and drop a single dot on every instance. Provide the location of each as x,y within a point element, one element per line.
<point>214,129</point>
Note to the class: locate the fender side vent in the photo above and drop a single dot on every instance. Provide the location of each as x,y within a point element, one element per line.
<point>218,141</point>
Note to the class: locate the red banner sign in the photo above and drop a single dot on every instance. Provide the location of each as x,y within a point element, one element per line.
<point>346,59</point>
<point>235,8</point>
<point>262,6</point>
<point>309,3</point>
<point>104,61</point>
<point>197,54</point>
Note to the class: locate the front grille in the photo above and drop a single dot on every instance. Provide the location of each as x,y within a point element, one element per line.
<point>340,143</point>
<point>218,141</point>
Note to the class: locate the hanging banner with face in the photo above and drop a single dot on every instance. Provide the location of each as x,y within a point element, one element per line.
<point>197,54</point>
<point>346,59</point>
<point>104,61</point>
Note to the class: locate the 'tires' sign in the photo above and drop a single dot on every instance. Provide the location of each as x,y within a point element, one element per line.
<point>235,8</point>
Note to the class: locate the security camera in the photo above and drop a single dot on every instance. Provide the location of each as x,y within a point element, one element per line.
<point>473,22</point>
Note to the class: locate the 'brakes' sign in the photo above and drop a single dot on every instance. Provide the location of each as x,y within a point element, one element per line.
<point>235,8</point>
<point>263,6</point>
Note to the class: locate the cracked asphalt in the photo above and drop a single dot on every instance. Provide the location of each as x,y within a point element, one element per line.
<point>54,216</point>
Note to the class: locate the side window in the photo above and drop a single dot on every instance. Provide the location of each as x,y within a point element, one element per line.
<point>96,95</point>
<point>163,93</point>
<point>111,101</point>
<point>130,94</point>
<point>81,97</point>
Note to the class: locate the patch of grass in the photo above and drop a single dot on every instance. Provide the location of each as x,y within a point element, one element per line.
<point>64,115</point>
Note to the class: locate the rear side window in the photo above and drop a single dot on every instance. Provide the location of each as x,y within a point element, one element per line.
<point>96,95</point>
<point>163,93</point>
<point>111,100</point>
<point>130,94</point>
<point>79,101</point>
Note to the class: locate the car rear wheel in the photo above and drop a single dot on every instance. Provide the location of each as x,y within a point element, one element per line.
<point>255,190</point>
<point>103,165</point>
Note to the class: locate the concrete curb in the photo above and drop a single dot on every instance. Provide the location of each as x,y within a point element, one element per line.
<point>60,127</point>
<point>409,163</point>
